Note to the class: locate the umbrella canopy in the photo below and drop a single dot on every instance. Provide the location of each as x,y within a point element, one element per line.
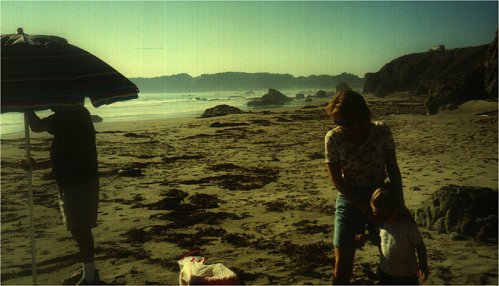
<point>41,72</point>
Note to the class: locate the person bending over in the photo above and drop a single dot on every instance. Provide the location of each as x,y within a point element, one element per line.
<point>359,155</point>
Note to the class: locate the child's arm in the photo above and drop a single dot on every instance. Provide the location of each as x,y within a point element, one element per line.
<point>423,261</point>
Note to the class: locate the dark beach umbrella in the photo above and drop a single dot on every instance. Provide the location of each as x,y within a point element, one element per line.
<point>45,72</point>
<point>41,72</point>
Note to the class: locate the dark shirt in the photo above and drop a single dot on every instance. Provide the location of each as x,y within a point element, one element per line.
<point>73,152</point>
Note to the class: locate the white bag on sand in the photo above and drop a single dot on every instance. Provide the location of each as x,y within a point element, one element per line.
<point>193,271</point>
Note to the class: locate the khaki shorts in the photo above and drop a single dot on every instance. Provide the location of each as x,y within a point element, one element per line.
<point>79,205</point>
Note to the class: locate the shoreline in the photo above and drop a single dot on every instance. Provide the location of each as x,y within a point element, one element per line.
<point>162,110</point>
<point>171,120</point>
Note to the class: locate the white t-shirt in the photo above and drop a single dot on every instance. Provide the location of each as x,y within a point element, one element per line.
<point>362,165</point>
<point>398,247</point>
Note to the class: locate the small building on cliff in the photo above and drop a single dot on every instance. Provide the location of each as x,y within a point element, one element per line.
<point>437,48</point>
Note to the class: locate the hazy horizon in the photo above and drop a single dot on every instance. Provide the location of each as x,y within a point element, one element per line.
<point>243,72</point>
<point>164,38</point>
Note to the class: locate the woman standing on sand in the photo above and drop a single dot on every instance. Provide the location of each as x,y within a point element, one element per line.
<point>359,155</point>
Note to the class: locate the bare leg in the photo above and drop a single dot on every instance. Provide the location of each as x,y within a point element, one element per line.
<point>85,241</point>
<point>343,265</point>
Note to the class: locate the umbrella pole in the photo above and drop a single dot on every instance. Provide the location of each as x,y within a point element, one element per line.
<point>30,199</point>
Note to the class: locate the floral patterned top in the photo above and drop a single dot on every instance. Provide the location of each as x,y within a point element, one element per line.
<point>362,165</point>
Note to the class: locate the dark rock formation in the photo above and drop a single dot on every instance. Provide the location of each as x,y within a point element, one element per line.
<point>227,124</point>
<point>300,96</point>
<point>321,94</point>
<point>490,77</point>
<point>467,211</point>
<point>273,97</point>
<point>96,118</point>
<point>419,72</point>
<point>444,76</point>
<point>342,86</point>
<point>220,110</point>
<point>478,82</point>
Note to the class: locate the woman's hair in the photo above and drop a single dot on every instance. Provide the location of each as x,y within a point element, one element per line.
<point>348,106</point>
<point>385,199</point>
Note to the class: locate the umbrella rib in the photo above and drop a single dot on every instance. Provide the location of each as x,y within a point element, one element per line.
<point>44,57</point>
<point>59,78</point>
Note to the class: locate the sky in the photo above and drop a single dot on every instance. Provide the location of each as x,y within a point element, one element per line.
<point>157,38</point>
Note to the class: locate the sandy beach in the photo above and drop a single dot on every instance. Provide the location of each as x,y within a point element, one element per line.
<point>250,189</point>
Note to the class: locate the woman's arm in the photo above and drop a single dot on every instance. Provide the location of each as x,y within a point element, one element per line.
<point>423,260</point>
<point>392,168</point>
<point>334,171</point>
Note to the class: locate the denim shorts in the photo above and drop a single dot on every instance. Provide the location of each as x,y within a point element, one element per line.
<point>349,221</point>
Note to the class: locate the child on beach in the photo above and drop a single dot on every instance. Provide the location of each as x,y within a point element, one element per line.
<point>400,240</point>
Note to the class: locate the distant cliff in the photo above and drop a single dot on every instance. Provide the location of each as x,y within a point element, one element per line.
<point>242,81</point>
<point>445,77</point>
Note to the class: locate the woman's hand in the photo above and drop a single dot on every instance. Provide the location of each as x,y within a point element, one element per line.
<point>370,216</point>
<point>361,239</point>
<point>423,274</point>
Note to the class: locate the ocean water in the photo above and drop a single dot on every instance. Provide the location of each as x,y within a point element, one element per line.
<point>150,106</point>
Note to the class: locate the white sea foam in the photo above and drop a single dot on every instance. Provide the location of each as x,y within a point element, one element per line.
<point>151,106</point>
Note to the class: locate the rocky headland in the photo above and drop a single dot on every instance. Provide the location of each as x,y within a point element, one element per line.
<point>446,78</point>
